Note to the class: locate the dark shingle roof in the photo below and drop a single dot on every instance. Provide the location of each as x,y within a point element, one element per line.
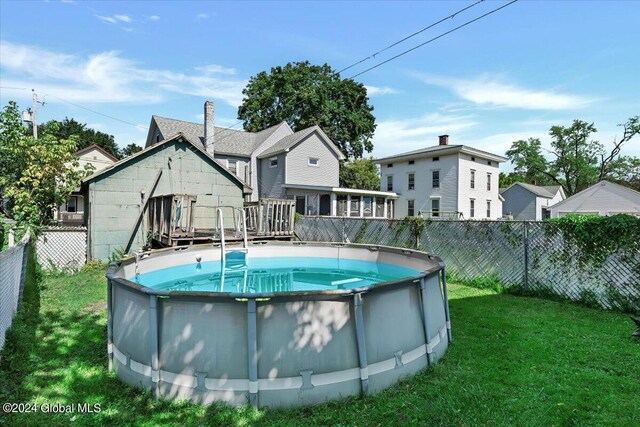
<point>288,141</point>
<point>227,141</point>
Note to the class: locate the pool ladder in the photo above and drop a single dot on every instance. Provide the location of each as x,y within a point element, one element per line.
<point>240,228</point>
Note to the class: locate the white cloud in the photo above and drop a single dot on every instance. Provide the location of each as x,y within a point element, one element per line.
<point>201,16</point>
<point>396,136</point>
<point>107,19</point>
<point>491,91</point>
<point>154,18</point>
<point>108,77</point>
<point>124,18</point>
<point>375,90</point>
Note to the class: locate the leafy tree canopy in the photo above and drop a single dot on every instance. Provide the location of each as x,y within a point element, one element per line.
<point>130,149</point>
<point>578,161</point>
<point>361,174</point>
<point>305,95</point>
<point>36,175</point>
<point>85,136</point>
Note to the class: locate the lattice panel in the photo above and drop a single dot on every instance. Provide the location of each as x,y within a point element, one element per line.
<point>62,248</point>
<point>12,267</point>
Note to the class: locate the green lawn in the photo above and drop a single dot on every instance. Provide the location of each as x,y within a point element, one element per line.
<point>514,361</point>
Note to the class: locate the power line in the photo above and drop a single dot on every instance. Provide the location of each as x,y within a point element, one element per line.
<point>99,113</point>
<point>411,35</point>
<point>434,39</point>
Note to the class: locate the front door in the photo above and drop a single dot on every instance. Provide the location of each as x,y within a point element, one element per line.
<point>325,204</point>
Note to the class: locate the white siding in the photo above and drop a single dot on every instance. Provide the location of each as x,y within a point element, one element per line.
<point>282,131</point>
<point>480,192</point>
<point>298,170</point>
<point>95,158</point>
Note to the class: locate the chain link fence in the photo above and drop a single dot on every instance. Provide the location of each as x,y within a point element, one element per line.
<point>62,248</point>
<point>528,255</point>
<point>13,262</point>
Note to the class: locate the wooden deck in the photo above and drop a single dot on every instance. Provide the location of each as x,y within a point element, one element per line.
<point>209,236</point>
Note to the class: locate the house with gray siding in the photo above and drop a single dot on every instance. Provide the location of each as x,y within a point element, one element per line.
<point>444,182</point>
<point>280,163</point>
<point>115,197</point>
<point>530,202</point>
<point>604,198</point>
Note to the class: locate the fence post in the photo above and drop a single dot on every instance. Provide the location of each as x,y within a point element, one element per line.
<point>526,254</point>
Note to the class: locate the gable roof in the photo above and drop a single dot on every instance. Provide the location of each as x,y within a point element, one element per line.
<point>443,150</point>
<point>179,137</point>
<point>546,191</point>
<point>227,141</point>
<point>97,148</point>
<point>288,142</point>
<point>590,195</point>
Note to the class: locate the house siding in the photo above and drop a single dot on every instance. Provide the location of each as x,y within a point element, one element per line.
<point>480,192</point>
<point>298,170</point>
<point>116,197</point>
<point>243,165</point>
<point>521,203</point>
<point>276,136</point>
<point>271,180</point>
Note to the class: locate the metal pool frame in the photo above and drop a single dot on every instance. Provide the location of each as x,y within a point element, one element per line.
<point>275,349</point>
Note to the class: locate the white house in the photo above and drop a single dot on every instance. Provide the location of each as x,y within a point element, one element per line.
<point>444,181</point>
<point>530,202</point>
<point>279,163</point>
<point>603,198</point>
<point>72,212</point>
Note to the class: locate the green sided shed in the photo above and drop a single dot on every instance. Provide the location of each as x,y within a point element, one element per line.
<point>116,198</point>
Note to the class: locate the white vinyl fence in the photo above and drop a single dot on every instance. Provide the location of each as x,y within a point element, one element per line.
<point>62,248</point>
<point>13,262</point>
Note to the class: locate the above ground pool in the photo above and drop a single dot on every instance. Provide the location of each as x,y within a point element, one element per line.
<point>277,325</point>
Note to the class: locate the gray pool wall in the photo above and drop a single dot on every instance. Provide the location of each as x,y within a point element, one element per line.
<point>280,349</point>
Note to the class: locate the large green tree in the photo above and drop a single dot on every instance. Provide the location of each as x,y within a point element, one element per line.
<point>361,174</point>
<point>36,175</point>
<point>131,149</point>
<point>578,161</point>
<point>304,95</point>
<point>86,136</point>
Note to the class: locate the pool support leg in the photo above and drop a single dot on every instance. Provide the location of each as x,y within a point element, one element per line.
<point>360,339</point>
<point>110,324</point>
<point>427,340</point>
<point>446,302</point>
<point>253,352</point>
<point>153,333</point>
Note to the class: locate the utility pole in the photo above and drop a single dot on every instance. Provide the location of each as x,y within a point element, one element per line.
<point>34,116</point>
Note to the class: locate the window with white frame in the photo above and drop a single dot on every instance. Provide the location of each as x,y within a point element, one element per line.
<point>488,208</point>
<point>435,207</point>
<point>314,161</point>
<point>72,204</point>
<point>412,181</point>
<point>273,162</point>
<point>389,182</point>
<point>472,208</point>
<point>411,207</point>
<point>488,181</point>
<point>473,178</point>
<point>435,179</point>
<point>233,166</point>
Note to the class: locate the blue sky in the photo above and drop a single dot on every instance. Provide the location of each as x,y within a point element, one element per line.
<point>508,76</point>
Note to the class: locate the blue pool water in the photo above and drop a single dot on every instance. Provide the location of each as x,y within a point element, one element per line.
<point>279,274</point>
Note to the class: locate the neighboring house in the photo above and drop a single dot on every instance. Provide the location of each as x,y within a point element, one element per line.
<point>603,198</point>
<point>444,181</point>
<point>280,163</point>
<point>72,212</point>
<point>115,196</point>
<point>531,202</point>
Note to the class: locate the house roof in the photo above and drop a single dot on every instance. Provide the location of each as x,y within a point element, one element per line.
<point>179,136</point>
<point>227,141</point>
<point>97,148</point>
<point>546,191</point>
<point>442,150</point>
<point>590,199</point>
<point>290,141</point>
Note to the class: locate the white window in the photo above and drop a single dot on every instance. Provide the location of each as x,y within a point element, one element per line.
<point>472,208</point>
<point>473,178</point>
<point>232,165</point>
<point>488,182</point>
<point>410,208</point>
<point>314,161</point>
<point>273,162</point>
<point>435,179</point>
<point>412,181</point>
<point>72,204</point>
<point>488,208</point>
<point>435,207</point>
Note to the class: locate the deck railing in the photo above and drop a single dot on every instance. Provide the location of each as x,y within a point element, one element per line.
<point>271,217</point>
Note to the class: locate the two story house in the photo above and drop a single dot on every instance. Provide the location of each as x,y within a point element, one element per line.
<point>280,163</point>
<point>444,181</point>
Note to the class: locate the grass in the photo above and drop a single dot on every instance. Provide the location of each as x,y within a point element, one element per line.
<point>514,361</point>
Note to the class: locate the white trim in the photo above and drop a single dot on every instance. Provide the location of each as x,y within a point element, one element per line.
<point>317,164</point>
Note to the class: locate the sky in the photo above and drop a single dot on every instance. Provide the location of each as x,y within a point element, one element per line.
<point>508,76</point>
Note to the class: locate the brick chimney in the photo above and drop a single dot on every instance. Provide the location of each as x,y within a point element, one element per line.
<point>209,129</point>
<point>443,140</point>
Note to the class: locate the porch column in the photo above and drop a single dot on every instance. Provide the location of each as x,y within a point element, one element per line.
<point>373,206</point>
<point>334,204</point>
<point>348,204</point>
<point>361,207</point>
<point>386,202</point>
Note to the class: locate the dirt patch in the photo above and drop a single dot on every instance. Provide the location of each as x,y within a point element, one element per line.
<point>95,308</point>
